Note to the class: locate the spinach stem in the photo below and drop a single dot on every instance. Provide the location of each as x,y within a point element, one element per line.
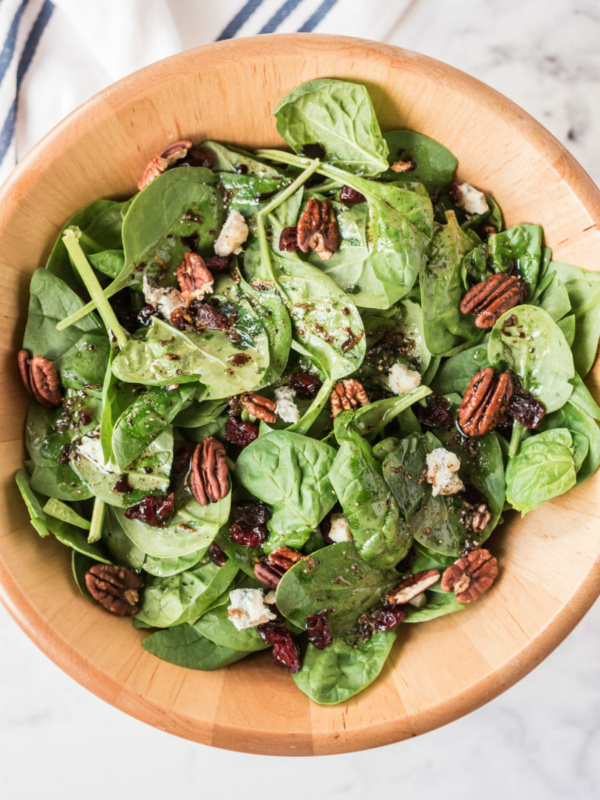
<point>303,425</point>
<point>120,282</point>
<point>97,520</point>
<point>265,256</point>
<point>289,190</point>
<point>82,265</point>
<point>334,173</point>
<point>515,439</point>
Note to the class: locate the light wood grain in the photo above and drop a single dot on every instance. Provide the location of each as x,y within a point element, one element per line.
<point>550,561</point>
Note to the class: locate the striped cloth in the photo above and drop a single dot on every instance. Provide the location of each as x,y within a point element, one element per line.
<point>57,53</point>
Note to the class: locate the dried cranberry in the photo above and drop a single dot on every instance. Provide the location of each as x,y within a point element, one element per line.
<point>436,414</point>
<point>217,263</point>
<point>216,554</point>
<point>198,157</point>
<point>146,313</point>
<point>121,305</point>
<point>380,619</point>
<point>526,409</point>
<point>305,385</point>
<point>287,655</point>
<point>317,630</point>
<point>154,511</point>
<point>84,418</point>
<point>288,240</point>
<point>248,535</point>
<point>315,150</point>
<point>251,513</point>
<point>239,432</point>
<point>487,231</point>
<point>273,632</point>
<point>181,461</point>
<point>350,196</point>
<point>122,486</point>
<point>208,317</point>
<point>454,193</point>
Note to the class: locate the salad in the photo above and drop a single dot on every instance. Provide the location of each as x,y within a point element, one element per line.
<point>282,399</point>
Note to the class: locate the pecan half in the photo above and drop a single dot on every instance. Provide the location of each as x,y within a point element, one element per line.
<point>259,406</point>
<point>471,575</point>
<point>318,229</point>
<point>489,299</point>
<point>195,279</point>
<point>412,586</point>
<point>41,379</point>
<point>115,588</point>
<point>475,517</point>
<point>285,557</point>
<point>160,163</point>
<point>485,402</point>
<point>269,574</point>
<point>209,478</point>
<point>346,395</point>
<point>404,165</point>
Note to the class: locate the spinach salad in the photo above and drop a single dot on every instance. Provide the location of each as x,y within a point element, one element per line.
<point>282,399</point>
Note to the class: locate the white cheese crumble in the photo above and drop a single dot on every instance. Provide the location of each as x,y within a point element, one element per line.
<point>442,466</point>
<point>285,407</point>
<point>166,300</point>
<point>419,600</point>
<point>90,447</point>
<point>471,199</point>
<point>270,598</point>
<point>340,530</point>
<point>233,235</point>
<point>247,608</point>
<point>401,379</point>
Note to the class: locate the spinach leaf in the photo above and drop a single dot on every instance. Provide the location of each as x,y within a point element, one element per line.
<point>145,419</point>
<point>342,670</point>
<point>436,521</point>
<point>84,364</point>
<point>438,605</point>
<point>370,420</point>
<point>192,528</point>
<point>442,290</point>
<point>61,511</point>
<point>168,356</point>
<point>245,557</point>
<point>231,159</point>
<point>50,301</point>
<point>165,567</point>
<point>338,579</point>
<point>290,473</point>
<point>455,373</point>
<point>582,399</point>
<point>567,326</point>
<point>518,249</point>
<point>186,647</point>
<point>100,224</point>
<point>217,627</point>
<point>555,299</point>
<point>340,117</point>
<point>528,341</point>
<point>583,289</point>
<point>80,564</point>
<point>148,474</point>
<point>435,164</point>
<point>379,533</point>
<point>185,596</point>
<point>580,425</point>
<point>108,262</point>
<point>199,413</point>
<point>34,507</point>
<point>542,469</point>
<point>249,193</point>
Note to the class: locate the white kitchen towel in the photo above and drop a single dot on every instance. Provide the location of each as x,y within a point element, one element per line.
<point>56,54</point>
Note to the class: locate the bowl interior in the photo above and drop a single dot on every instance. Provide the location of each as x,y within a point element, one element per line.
<point>550,560</point>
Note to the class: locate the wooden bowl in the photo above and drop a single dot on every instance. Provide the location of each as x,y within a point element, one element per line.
<point>550,560</point>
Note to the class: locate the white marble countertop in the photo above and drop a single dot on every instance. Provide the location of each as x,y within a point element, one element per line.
<point>541,739</point>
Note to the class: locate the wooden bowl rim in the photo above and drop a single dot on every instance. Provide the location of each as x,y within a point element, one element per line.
<point>60,650</point>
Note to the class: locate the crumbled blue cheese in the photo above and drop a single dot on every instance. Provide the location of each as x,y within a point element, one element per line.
<point>471,199</point>
<point>270,598</point>
<point>285,407</point>
<point>233,235</point>
<point>247,608</point>
<point>442,468</point>
<point>340,530</point>
<point>401,379</point>
<point>419,600</point>
<point>90,447</point>
<point>166,300</point>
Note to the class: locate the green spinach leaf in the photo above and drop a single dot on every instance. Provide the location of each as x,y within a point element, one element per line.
<point>435,164</point>
<point>186,647</point>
